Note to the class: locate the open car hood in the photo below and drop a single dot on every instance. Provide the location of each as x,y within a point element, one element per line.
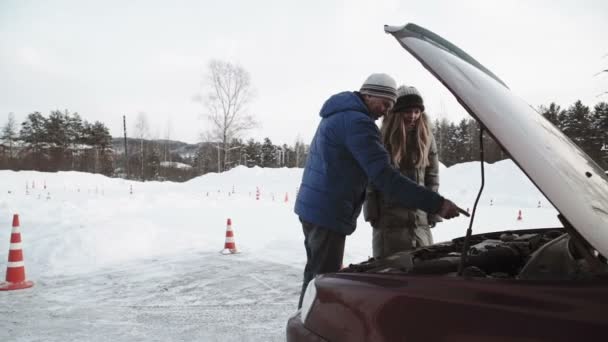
<point>575,185</point>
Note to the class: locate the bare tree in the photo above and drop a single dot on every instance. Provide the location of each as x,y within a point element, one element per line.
<point>300,151</point>
<point>167,151</point>
<point>9,134</point>
<point>141,132</point>
<point>227,94</point>
<point>603,71</point>
<point>606,70</point>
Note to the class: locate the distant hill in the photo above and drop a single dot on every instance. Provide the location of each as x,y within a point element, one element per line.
<point>183,149</point>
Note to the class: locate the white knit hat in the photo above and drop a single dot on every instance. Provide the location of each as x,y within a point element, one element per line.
<point>381,85</point>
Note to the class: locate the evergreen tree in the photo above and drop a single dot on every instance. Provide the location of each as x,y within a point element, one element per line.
<point>269,157</point>
<point>575,124</point>
<point>33,131</point>
<point>463,144</point>
<point>436,129</point>
<point>553,113</point>
<point>57,130</point>
<point>152,163</point>
<point>57,136</point>
<point>599,134</point>
<point>75,129</point>
<point>98,136</point>
<point>450,148</point>
<point>442,140</point>
<point>33,134</point>
<point>253,153</point>
<point>474,132</point>
<point>99,139</point>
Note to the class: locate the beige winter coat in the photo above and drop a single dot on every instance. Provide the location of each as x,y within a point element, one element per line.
<point>381,212</point>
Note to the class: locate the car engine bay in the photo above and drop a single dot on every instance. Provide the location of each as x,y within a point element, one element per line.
<point>533,254</point>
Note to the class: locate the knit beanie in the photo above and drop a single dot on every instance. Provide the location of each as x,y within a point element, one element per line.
<point>381,85</point>
<point>408,97</point>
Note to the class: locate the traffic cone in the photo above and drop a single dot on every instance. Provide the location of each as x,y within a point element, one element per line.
<point>229,245</point>
<point>519,218</point>
<point>15,270</point>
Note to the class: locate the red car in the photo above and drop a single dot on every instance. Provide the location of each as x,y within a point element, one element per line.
<point>545,284</point>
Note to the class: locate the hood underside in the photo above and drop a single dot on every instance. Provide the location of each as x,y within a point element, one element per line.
<point>567,176</point>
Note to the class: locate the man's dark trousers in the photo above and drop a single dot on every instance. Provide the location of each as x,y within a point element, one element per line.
<point>324,252</point>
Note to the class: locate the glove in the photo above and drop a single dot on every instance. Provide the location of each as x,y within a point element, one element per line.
<point>448,209</point>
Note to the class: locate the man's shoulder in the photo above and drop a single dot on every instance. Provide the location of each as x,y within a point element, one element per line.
<point>348,117</point>
<point>341,103</point>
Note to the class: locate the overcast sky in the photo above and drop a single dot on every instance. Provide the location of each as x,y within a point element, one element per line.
<point>106,59</point>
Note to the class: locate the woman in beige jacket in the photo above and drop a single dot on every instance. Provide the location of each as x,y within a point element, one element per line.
<point>407,135</point>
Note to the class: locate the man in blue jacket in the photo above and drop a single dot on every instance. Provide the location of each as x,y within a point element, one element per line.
<point>345,153</point>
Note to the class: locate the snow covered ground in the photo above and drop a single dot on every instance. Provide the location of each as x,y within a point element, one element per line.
<point>121,260</point>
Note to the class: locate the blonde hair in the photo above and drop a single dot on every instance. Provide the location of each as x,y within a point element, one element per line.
<point>394,136</point>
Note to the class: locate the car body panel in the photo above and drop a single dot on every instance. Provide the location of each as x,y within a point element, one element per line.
<point>296,331</point>
<point>389,307</point>
<point>571,180</point>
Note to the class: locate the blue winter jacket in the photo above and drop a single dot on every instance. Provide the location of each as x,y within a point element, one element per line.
<point>345,152</point>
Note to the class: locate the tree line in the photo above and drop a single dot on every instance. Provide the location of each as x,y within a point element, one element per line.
<point>63,141</point>
<point>586,127</point>
<point>176,161</point>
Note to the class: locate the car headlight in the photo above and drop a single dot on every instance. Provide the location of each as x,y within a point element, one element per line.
<point>308,300</point>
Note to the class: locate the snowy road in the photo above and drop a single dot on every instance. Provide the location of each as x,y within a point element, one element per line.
<point>218,298</point>
<point>111,265</point>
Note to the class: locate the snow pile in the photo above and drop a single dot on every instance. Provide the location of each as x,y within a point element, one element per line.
<point>81,222</point>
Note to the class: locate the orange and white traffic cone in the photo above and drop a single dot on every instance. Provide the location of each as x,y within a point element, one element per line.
<point>519,218</point>
<point>229,245</point>
<point>15,270</point>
